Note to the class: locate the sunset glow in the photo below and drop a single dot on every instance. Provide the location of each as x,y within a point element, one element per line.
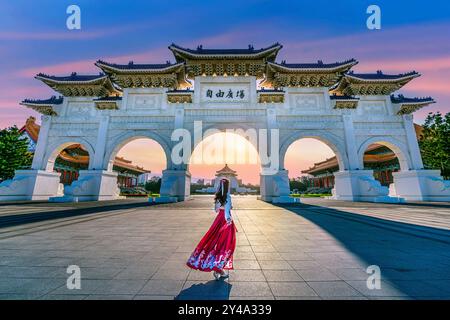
<point>237,152</point>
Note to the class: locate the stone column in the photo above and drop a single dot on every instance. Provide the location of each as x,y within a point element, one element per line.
<point>413,145</point>
<point>176,179</point>
<point>41,146</point>
<point>100,145</point>
<point>350,141</point>
<point>175,185</point>
<point>274,187</point>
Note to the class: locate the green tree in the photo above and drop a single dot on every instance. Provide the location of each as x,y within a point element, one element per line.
<point>300,183</point>
<point>14,152</point>
<point>153,185</point>
<point>435,143</point>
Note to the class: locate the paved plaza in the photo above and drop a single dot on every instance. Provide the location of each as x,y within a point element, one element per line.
<point>316,250</point>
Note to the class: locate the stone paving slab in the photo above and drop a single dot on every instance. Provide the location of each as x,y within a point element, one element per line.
<point>306,251</point>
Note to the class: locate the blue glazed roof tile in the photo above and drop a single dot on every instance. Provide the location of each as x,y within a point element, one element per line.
<point>381,76</point>
<point>137,66</point>
<point>53,100</point>
<point>316,65</point>
<point>402,99</point>
<point>73,77</point>
<point>201,51</point>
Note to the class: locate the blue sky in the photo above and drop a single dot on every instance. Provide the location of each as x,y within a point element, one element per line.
<point>34,38</point>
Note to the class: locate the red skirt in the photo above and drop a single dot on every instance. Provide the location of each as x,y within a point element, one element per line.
<point>215,251</point>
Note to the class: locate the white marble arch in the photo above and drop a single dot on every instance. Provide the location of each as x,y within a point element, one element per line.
<point>399,148</point>
<point>334,142</point>
<point>114,146</point>
<point>305,113</point>
<point>59,145</point>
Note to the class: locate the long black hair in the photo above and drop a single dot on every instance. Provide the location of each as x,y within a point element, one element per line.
<point>221,194</point>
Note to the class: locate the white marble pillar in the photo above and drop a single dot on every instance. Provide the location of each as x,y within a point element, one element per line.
<point>175,186</point>
<point>274,187</point>
<point>350,141</point>
<point>41,146</point>
<point>176,179</point>
<point>100,146</point>
<point>413,145</point>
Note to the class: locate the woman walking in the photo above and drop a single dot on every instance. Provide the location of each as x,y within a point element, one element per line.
<point>215,250</point>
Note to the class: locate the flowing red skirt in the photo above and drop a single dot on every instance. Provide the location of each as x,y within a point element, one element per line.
<point>215,251</point>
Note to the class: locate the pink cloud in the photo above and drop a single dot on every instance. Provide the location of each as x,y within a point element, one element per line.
<point>82,34</point>
<point>26,91</point>
<point>406,64</point>
<point>399,42</point>
<point>87,65</point>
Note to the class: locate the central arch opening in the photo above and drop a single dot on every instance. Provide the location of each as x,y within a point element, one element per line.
<point>225,155</point>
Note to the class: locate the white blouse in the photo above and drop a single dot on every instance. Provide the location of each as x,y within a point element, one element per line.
<point>227,207</point>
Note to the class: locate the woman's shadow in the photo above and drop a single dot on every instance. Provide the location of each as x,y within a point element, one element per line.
<point>211,290</point>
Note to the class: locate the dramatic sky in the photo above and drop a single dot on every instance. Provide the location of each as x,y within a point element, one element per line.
<point>34,38</point>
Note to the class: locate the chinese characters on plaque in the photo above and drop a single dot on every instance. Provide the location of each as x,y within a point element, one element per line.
<point>230,94</point>
<point>225,94</point>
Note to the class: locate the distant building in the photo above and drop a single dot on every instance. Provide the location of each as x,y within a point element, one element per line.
<point>231,175</point>
<point>74,158</point>
<point>144,178</point>
<point>201,182</point>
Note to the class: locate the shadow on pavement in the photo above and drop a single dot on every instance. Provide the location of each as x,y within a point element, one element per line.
<point>211,290</point>
<point>25,218</point>
<point>414,260</point>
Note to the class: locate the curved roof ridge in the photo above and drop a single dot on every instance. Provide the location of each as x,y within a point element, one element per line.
<point>201,50</point>
<point>137,66</point>
<point>318,64</point>
<point>73,77</point>
<point>51,100</point>
<point>379,75</point>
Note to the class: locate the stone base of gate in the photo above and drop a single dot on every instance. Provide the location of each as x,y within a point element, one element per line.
<point>285,199</point>
<point>421,185</point>
<point>175,184</point>
<point>360,185</point>
<point>275,188</point>
<point>163,199</point>
<point>92,185</point>
<point>31,185</point>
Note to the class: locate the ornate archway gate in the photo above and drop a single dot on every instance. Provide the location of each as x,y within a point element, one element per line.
<point>234,88</point>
